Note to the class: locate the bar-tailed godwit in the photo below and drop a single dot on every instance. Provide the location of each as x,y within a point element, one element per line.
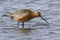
<point>24,15</point>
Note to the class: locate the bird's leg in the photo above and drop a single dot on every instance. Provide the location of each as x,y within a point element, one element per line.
<point>23,24</point>
<point>18,24</point>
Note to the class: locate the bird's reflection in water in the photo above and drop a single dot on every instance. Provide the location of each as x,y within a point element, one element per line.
<point>25,30</point>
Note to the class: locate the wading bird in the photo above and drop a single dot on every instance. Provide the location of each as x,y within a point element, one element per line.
<point>24,15</point>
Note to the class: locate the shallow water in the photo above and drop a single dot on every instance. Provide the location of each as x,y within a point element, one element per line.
<point>50,10</point>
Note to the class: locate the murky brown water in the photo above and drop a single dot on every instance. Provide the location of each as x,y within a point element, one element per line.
<point>39,30</point>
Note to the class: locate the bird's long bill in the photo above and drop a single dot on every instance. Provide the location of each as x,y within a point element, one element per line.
<point>44,19</point>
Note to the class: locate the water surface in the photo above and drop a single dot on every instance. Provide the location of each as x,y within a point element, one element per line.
<point>50,10</point>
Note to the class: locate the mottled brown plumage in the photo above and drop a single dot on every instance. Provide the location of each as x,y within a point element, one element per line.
<point>24,15</point>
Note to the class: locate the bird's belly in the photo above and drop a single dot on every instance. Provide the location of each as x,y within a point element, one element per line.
<point>25,19</point>
<point>22,18</point>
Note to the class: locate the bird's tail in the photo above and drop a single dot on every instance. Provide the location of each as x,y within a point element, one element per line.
<point>5,15</point>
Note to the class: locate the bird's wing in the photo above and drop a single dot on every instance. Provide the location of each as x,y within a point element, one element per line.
<point>21,13</point>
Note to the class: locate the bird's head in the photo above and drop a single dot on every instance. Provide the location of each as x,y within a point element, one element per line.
<point>38,14</point>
